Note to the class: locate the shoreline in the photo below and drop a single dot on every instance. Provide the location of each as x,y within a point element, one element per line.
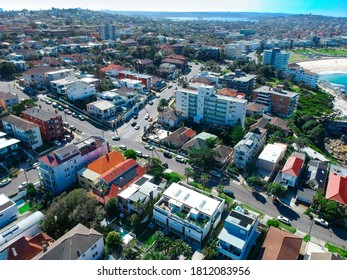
<point>326,66</point>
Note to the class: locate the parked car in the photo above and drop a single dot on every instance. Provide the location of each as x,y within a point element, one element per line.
<point>55,105</point>
<point>321,222</point>
<point>35,165</point>
<point>146,156</point>
<point>60,108</point>
<point>136,117</point>
<point>56,142</point>
<point>67,111</point>
<point>72,127</point>
<point>180,159</point>
<point>149,147</point>
<point>283,220</point>
<point>137,127</point>
<point>74,115</point>
<point>133,124</point>
<point>228,193</point>
<point>81,118</point>
<point>48,102</point>
<point>167,154</point>
<point>165,165</point>
<point>116,138</point>
<point>147,117</point>
<point>150,102</point>
<point>138,153</point>
<point>5,182</point>
<point>122,147</point>
<point>215,174</point>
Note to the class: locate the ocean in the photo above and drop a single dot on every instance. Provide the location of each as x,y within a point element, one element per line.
<point>335,78</point>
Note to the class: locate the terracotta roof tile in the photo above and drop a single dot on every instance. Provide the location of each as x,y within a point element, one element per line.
<point>118,170</point>
<point>293,166</point>
<point>106,162</point>
<point>337,188</point>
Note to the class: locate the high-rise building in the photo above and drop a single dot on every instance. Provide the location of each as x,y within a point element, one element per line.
<point>205,107</point>
<point>279,59</point>
<point>108,32</point>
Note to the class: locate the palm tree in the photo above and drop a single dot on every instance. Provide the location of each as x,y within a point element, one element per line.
<point>204,179</point>
<point>188,172</point>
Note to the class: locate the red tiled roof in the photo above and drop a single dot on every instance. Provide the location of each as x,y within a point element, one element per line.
<point>293,166</point>
<point>113,67</point>
<point>280,245</point>
<point>106,162</point>
<point>189,133</point>
<point>118,170</point>
<point>337,188</point>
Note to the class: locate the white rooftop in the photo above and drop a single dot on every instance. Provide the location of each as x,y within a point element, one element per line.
<point>4,199</point>
<point>272,152</point>
<point>191,198</point>
<point>103,104</point>
<point>8,142</point>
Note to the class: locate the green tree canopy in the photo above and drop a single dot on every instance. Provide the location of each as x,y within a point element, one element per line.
<point>237,134</point>
<point>67,210</point>
<point>113,240</point>
<point>130,154</point>
<point>7,70</point>
<point>155,167</point>
<point>203,157</point>
<point>112,209</point>
<point>277,190</point>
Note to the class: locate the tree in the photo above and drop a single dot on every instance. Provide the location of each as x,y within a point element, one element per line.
<point>31,191</point>
<point>209,253</point>
<point>155,167</point>
<point>131,251</point>
<point>7,70</point>
<point>203,158</point>
<point>188,172</point>
<point>254,181</point>
<point>330,210</point>
<point>211,142</point>
<point>220,189</point>
<point>67,210</point>
<point>204,179</point>
<point>112,209</point>
<point>237,134</point>
<point>277,190</point>
<point>130,154</point>
<point>249,121</point>
<point>114,240</point>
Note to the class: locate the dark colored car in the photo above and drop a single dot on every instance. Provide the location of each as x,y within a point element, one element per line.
<point>133,124</point>
<point>167,155</point>
<point>229,193</point>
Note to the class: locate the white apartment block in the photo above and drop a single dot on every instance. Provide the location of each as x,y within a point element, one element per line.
<point>247,148</point>
<point>233,51</point>
<point>205,107</point>
<point>8,210</point>
<point>60,74</point>
<point>108,32</point>
<point>102,109</point>
<point>73,88</point>
<point>58,170</point>
<point>26,131</point>
<point>301,75</point>
<point>279,59</point>
<point>188,213</point>
<point>271,155</point>
<point>133,84</point>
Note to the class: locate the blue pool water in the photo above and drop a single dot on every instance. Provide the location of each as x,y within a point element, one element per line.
<point>20,202</point>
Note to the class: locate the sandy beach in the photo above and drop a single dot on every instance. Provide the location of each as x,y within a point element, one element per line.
<point>325,65</point>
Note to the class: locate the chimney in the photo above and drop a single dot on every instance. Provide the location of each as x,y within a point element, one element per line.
<point>107,157</point>
<point>44,247</point>
<point>14,252</point>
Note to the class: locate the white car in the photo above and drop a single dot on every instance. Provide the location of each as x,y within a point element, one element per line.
<point>5,182</point>
<point>35,165</point>
<point>137,127</point>
<point>180,159</point>
<point>138,153</point>
<point>284,220</point>
<point>116,138</point>
<point>321,222</point>
<point>122,147</point>
<point>149,147</point>
<point>147,117</point>
<point>146,156</point>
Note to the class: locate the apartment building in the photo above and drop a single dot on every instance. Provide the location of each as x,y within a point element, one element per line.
<point>278,101</point>
<point>146,80</point>
<point>51,123</point>
<point>238,235</point>
<point>36,76</point>
<point>58,170</point>
<point>26,131</point>
<point>60,74</point>
<point>205,107</point>
<point>8,210</point>
<point>270,157</point>
<point>8,99</point>
<point>248,147</point>
<point>233,51</point>
<point>279,59</point>
<point>102,109</point>
<point>188,213</point>
<point>302,75</point>
<point>73,88</point>
<point>108,32</point>
<point>238,80</point>
<point>10,150</point>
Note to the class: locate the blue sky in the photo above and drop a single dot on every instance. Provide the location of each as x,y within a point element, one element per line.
<point>335,7</point>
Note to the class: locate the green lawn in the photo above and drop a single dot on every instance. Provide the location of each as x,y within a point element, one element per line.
<point>24,208</point>
<point>245,206</point>
<point>287,228</point>
<point>297,57</point>
<point>334,249</point>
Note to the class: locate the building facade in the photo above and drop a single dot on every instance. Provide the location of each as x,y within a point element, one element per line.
<point>74,89</point>
<point>205,107</point>
<point>8,99</point>
<point>108,32</point>
<point>8,210</point>
<point>102,109</point>
<point>279,59</point>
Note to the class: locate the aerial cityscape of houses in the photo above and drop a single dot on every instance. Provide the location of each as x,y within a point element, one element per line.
<point>119,132</point>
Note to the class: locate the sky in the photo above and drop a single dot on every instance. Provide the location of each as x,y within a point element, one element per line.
<point>332,8</point>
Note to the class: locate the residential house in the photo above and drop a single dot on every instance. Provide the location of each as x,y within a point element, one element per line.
<point>270,157</point>
<point>248,147</point>
<point>26,248</point>
<point>50,122</point>
<point>198,141</point>
<point>27,132</point>
<point>60,74</point>
<point>316,177</point>
<point>203,106</point>
<point>179,137</point>
<point>134,198</point>
<point>292,170</point>
<point>113,69</point>
<point>146,80</point>
<point>131,84</point>
<point>143,63</point>
<point>278,101</point>
<point>238,235</point>
<point>255,108</point>
<point>8,210</point>
<point>224,154</point>
<point>337,184</point>
<point>180,61</point>
<point>125,95</point>
<point>282,124</point>
<point>73,88</point>
<point>58,169</point>
<point>170,117</point>
<point>188,213</point>
<point>88,177</point>
<point>102,109</point>
<point>8,99</point>
<point>10,150</point>
<point>79,243</point>
<point>280,245</point>
<point>36,77</point>
<point>29,226</point>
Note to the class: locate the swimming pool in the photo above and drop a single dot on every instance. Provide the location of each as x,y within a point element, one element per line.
<point>20,202</point>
